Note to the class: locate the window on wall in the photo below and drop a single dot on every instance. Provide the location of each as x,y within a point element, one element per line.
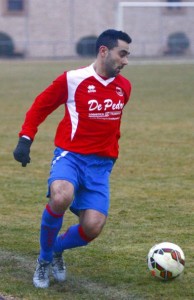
<point>15,7</point>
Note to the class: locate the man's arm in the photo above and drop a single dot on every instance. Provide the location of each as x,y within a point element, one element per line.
<point>44,104</point>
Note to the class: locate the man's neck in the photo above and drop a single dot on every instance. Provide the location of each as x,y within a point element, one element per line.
<point>99,70</point>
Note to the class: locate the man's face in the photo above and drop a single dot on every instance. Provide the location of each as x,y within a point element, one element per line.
<point>116,59</point>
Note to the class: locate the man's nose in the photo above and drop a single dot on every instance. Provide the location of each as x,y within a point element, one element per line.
<point>125,61</point>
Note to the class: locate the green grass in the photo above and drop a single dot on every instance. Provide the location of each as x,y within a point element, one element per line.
<point>152,188</point>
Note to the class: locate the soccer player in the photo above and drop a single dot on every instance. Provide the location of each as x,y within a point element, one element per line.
<point>86,149</point>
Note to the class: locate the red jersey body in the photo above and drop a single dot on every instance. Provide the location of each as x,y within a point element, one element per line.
<point>93,110</point>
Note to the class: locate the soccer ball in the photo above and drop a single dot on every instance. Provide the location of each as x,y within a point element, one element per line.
<point>166,260</point>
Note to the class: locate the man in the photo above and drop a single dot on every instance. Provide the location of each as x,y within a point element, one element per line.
<point>86,148</point>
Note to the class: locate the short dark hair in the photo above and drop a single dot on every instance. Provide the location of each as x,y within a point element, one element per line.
<point>110,37</point>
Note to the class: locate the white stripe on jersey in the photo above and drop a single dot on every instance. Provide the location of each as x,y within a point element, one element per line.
<point>74,78</point>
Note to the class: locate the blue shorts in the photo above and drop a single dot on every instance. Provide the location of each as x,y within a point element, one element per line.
<point>89,175</point>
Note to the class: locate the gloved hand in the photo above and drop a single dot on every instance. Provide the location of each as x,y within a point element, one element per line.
<point>22,151</point>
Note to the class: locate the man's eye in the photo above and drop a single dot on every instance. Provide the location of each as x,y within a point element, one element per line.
<point>124,54</point>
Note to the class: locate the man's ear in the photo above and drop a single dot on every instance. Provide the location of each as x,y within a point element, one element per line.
<point>103,50</point>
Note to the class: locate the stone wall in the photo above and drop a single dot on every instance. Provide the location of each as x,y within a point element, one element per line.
<point>52,28</point>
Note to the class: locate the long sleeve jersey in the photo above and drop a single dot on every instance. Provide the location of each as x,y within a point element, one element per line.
<point>93,110</point>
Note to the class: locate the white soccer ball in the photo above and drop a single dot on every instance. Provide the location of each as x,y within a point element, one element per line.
<point>166,260</point>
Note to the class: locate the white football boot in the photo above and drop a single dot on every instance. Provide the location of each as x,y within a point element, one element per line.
<point>58,267</point>
<point>41,275</point>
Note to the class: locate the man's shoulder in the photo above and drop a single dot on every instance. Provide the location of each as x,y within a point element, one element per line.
<point>81,70</point>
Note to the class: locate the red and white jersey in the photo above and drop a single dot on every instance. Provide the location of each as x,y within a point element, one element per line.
<point>93,110</point>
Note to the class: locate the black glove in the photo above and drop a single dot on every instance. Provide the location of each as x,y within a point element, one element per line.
<point>22,151</point>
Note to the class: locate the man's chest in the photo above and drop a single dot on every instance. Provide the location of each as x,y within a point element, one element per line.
<point>92,97</point>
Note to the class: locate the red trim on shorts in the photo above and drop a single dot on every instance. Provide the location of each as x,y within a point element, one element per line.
<point>52,213</point>
<point>83,235</point>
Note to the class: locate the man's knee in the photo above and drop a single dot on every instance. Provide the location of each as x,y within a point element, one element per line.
<point>92,223</point>
<point>93,229</point>
<point>61,195</point>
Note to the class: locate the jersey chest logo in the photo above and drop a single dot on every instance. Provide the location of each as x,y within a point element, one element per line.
<point>108,104</point>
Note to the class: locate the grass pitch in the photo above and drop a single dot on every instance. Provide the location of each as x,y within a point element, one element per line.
<point>152,188</point>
